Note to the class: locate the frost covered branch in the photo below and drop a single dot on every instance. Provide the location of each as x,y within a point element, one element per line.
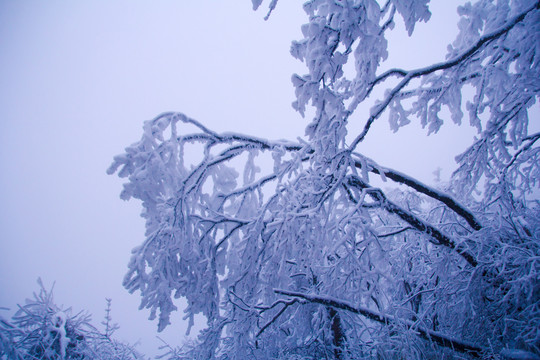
<point>439,338</point>
<point>440,238</point>
<point>412,74</point>
<point>231,217</point>
<point>286,304</point>
<point>426,190</point>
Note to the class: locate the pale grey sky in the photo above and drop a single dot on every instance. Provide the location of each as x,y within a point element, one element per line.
<point>77,80</point>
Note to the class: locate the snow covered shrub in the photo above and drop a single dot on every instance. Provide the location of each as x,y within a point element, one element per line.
<point>40,330</point>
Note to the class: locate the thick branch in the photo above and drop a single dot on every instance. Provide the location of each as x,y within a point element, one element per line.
<point>414,221</point>
<point>435,336</point>
<point>429,191</point>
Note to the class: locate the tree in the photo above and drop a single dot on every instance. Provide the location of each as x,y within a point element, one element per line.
<point>41,330</point>
<point>302,256</point>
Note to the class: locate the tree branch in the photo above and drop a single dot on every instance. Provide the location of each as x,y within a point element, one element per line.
<point>414,221</point>
<point>429,191</point>
<point>395,232</point>
<point>435,336</point>
<point>464,55</point>
<point>286,304</point>
<point>409,75</point>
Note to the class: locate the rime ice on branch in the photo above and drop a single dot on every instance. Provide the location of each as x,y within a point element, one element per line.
<point>416,271</point>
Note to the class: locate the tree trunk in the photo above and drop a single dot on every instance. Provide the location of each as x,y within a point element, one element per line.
<point>338,337</point>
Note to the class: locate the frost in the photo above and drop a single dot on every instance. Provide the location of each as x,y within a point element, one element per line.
<point>290,251</point>
<point>42,330</point>
<point>515,354</point>
<point>412,12</point>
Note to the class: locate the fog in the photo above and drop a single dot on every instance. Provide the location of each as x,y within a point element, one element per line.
<point>77,81</point>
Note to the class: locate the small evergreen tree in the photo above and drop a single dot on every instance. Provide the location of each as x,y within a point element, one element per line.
<point>41,330</point>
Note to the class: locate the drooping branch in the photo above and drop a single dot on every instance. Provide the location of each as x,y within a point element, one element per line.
<point>245,141</point>
<point>238,143</point>
<point>430,335</point>
<point>429,191</point>
<point>417,223</point>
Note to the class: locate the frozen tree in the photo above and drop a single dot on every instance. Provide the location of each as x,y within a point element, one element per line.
<point>291,250</point>
<point>41,330</point>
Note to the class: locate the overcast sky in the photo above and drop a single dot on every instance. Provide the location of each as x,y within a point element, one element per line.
<point>77,80</point>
